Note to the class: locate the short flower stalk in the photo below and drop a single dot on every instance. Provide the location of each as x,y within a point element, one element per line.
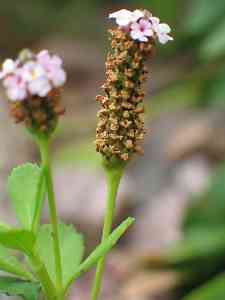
<point>33,84</point>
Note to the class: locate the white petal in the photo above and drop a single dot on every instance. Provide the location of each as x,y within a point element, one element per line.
<point>138,35</point>
<point>136,15</point>
<point>123,21</point>
<point>123,13</point>
<point>59,78</point>
<point>164,28</point>
<point>164,38</point>
<point>43,53</point>
<point>135,27</point>
<point>143,38</point>
<point>16,94</point>
<point>148,32</point>
<point>155,21</point>
<point>8,66</point>
<point>135,34</point>
<point>123,17</point>
<point>40,87</point>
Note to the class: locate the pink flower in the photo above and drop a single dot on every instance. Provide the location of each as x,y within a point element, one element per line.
<point>15,87</point>
<point>161,30</point>
<point>53,67</point>
<point>141,30</point>
<point>36,78</point>
<point>37,75</point>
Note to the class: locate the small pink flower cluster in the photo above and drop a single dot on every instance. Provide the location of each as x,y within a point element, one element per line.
<point>142,25</point>
<point>35,77</point>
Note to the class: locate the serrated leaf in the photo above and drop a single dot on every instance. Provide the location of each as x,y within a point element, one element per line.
<point>15,287</point>
<point>71,246</point>
<point>212,290</point>
<point>102,249</point>
<point>11,264</point>
<point>22,185</point>
<point>21,240</point>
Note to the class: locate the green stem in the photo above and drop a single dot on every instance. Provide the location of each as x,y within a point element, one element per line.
<point>39,200</point>
<point>44,148</point>
<point>43,277</point>
<point>114,174</point>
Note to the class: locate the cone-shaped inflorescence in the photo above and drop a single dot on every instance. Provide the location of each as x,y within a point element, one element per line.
<point>33,85</point>
<point>120,129</point>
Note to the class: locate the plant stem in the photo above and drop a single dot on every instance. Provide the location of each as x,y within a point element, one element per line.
<point>114,174</point>
<point>39,200</point>
<point>44,148</point>
<point>43,277</point>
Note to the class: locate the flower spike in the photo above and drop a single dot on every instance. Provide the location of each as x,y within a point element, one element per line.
<point>120,128</point>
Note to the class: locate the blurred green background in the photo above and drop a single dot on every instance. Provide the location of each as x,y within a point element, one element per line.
<point>177,190</point>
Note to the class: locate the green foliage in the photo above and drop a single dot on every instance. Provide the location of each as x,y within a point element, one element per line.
<point>212,290</point>
<point>11,264</point>
<point>16,287</point>
<point>71,246</point>
<point>23,186</point>
<point>103,248</point>
<point>18,239</point>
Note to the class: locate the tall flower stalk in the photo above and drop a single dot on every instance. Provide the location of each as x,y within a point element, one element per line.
<point>120,129</point>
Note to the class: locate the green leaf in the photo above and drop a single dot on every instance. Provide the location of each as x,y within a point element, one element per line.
<point>15,287</point>
<point>21,240</point>
<point>23,185</point>
<point>71,246</point>
<point>11,264</point>
<point>102,249</point>
<point>212,290</point>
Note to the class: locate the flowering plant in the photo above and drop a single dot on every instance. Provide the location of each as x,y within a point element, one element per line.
<point>52,254</point>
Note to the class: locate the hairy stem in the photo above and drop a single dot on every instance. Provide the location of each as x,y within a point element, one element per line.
<point>44,148</point>
<point>114,174</point>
